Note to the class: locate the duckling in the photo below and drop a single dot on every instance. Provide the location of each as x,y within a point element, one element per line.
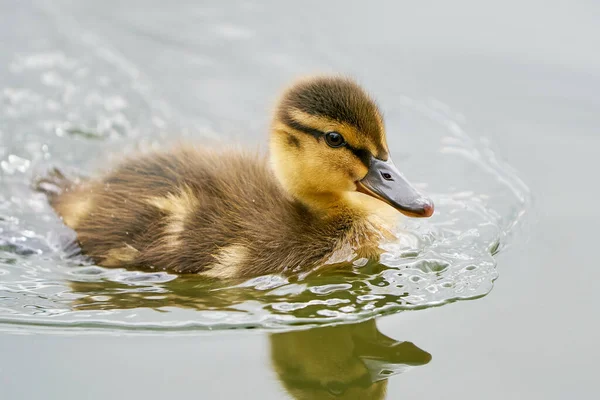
<point>235,214</point>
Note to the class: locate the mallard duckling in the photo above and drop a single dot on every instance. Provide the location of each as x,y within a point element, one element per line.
<point>232,214</point>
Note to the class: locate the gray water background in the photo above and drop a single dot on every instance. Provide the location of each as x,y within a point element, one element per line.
<point>523,74</point>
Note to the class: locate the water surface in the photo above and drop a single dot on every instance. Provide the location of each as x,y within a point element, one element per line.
<point>83,82</point>
<point>73,106</point>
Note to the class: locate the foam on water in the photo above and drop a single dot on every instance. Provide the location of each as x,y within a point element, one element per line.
<point>68,105</point>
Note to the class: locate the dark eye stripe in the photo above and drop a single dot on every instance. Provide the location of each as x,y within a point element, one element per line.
<point>302,128</point>
<point>363,155</point>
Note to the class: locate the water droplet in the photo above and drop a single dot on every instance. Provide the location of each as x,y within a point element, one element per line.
<point>15,164</point>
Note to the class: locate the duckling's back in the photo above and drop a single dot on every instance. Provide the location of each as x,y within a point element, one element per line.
<point>196,211</point>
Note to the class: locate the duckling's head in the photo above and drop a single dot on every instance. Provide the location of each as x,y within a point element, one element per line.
<point>328,142</point>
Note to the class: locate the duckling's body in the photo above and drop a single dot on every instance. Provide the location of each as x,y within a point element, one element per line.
<point>177,211</point>
<point>232,214</point>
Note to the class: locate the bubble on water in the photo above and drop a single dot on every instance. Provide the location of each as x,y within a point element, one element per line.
<point>136,277</point>
<point>328,289</point>
<point>264,282</point>
<point>88,271</point>
<point>15,164</point>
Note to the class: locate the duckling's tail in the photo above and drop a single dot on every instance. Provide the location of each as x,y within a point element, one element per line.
<point>53,184</point>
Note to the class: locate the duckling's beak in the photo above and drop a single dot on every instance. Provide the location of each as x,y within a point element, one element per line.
<point>386,183</point>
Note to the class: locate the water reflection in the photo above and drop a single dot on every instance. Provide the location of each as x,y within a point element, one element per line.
<point>350,361</point>
<point>157,291</point>
<point>341,362</point>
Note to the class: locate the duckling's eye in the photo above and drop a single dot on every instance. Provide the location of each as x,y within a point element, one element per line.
<point>334,139</point>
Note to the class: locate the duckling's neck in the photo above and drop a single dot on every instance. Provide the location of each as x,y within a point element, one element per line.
<point>332,205</point>
<point>357,206</point>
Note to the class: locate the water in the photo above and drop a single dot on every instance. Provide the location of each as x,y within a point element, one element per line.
<point>73,106</point>
<point>83,82</point>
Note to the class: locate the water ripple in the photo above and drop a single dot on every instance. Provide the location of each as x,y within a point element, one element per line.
<point>67,106</point>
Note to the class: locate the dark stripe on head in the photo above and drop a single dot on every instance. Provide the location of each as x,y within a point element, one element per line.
<point>292,123</point>
<point>293,141</point>
<point>363,155</point>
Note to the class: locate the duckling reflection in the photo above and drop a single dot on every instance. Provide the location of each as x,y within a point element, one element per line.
<point>341,362</point>
<point>93,290</point>
<point>350,361</point>
<point>96,288</point>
